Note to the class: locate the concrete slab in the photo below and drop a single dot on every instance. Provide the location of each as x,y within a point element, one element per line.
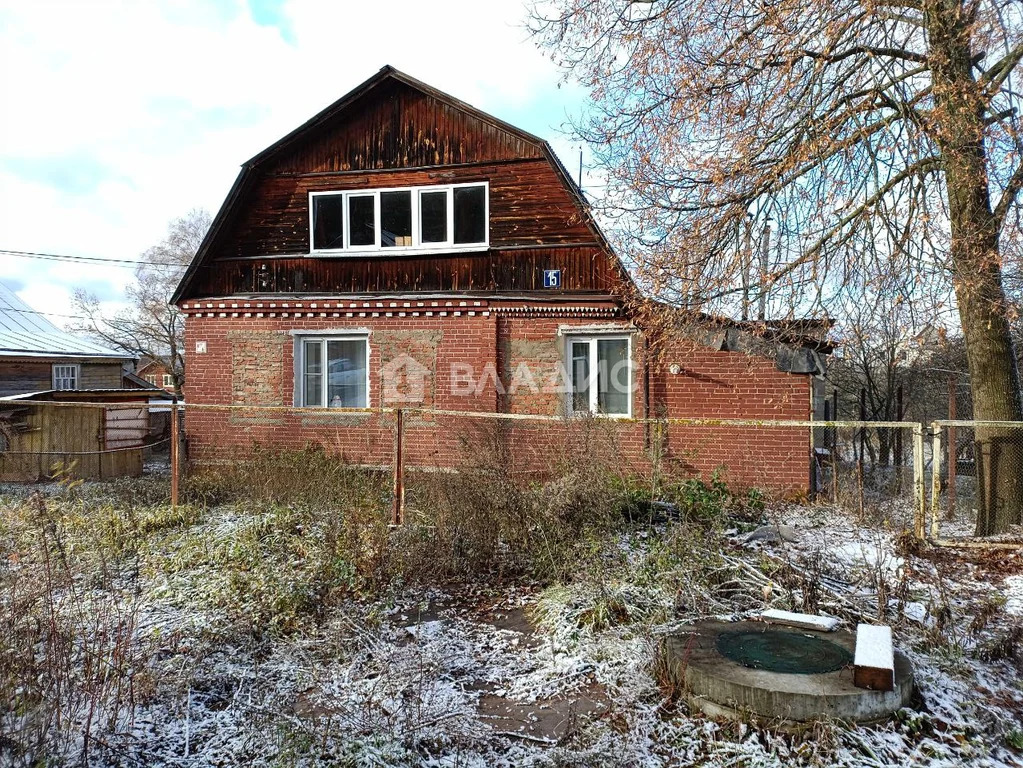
<point>801,620</point>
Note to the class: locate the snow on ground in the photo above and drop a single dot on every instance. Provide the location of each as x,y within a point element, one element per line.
<point>510,674</point>
<point>1014,594</point>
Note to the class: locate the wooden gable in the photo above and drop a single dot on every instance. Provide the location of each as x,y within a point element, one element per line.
<point>394,131</point>
<point>395,126</point>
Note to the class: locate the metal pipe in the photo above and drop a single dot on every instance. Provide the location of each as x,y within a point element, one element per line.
<point>174,453</point>
<point>398,511</point>
<point>765,244</point>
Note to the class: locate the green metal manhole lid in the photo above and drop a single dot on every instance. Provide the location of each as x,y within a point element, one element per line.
<point>789,652</point>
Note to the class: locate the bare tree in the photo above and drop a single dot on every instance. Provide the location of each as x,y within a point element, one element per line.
<point>150,326</point>
<point>822,118</point>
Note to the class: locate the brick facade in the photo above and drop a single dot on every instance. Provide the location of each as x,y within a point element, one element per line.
<point>516,355</point>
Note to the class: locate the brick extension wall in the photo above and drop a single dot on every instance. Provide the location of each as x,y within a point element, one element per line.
<point>250,361</point>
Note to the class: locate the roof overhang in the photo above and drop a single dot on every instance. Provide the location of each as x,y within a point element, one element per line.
<point>74,357</point>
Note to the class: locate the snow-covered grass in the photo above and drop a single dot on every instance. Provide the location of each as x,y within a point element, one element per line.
<point>249,634</point>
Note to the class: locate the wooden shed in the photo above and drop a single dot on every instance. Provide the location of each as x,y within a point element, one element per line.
<point>45,432</point>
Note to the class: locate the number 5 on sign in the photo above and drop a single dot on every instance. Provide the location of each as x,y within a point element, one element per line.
<point>552,278</point>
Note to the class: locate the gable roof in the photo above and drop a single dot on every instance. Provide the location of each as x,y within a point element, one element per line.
<point>27,333</point>
<point>246,176</point>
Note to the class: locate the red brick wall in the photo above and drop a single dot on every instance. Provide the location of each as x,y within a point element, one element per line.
<point>733,385</point>
<point>250,361</point>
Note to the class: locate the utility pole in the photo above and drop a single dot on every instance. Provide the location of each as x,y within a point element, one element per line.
<point>745,258</point>
<point>765,244</point>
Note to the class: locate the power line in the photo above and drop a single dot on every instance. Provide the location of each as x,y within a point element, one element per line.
<point>40,312</point>
<point>88,259</point>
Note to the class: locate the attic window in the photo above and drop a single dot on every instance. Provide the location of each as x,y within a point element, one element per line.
<point>449,217</point>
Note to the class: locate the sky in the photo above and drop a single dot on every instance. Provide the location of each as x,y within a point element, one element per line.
<point>118,117</point>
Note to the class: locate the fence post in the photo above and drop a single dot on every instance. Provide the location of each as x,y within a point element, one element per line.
<point>953,447</point>
<point>834,445</point>
<point>863,445</point>
<point>936,452</point>
<point>919,496</point>
<point>900,412</point>
<point>175,459</point>
<point>398,511</point>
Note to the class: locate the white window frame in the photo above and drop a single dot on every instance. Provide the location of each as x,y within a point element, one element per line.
<point>323,337</point>
<point>72,371</point>
<point>168,380</point>
<point>377,249</point>
<point>592,340</point>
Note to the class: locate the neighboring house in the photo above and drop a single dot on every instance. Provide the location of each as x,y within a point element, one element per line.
<point>40,363</point>
<point>156,373</point>
<point>402,248</point>
<point>36,355</point>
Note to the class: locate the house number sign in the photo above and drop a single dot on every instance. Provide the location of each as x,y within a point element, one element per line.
<point>552,278</point>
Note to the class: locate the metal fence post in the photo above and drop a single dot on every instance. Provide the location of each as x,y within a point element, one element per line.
<point>900,413</point>
<point>919,496</point>
<point>953,447</point>
<point>398,511</point>
<point>175,459</point>
<point>936,456</point>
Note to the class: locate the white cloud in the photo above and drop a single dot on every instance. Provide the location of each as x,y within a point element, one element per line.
<point>119,116</point>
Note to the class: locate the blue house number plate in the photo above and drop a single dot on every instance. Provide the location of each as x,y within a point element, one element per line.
<point>552,278</point>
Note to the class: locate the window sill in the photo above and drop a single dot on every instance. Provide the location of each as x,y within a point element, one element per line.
<point>386,252</point>
<point>591,415</point>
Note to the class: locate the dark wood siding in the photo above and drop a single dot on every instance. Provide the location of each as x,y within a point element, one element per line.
<point>18,376</point>
<point>528,206</point>
<point>398,136</point>
<point>396,126</point>
<point>583,269</point>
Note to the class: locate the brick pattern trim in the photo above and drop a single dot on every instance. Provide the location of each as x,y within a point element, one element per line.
<point>387,309</point>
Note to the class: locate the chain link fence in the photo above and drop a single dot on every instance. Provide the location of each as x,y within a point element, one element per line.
<point>977,490</point>
<point>871,467</point>
<point>901,471</point>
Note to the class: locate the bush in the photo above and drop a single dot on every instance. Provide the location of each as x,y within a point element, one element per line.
<point>714,503</point>
<point>310,524</point>
<point>310,477</point>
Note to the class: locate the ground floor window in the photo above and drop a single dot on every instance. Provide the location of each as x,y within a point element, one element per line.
<point>600,373</point>
<point>65,376</point>
<point>334,372</point>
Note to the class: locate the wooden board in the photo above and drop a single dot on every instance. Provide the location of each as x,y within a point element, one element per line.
<point>874,661</point>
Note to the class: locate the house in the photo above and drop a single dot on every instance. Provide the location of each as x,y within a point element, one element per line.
<point>156,373</point>
<point>36,355</point>
<point>401,231</point>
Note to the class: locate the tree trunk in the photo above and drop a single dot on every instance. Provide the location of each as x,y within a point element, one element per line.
<point>958,125</point>
<point>995,388</point>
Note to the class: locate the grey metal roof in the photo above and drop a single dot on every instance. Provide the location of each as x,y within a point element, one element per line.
<point>26,333</point>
